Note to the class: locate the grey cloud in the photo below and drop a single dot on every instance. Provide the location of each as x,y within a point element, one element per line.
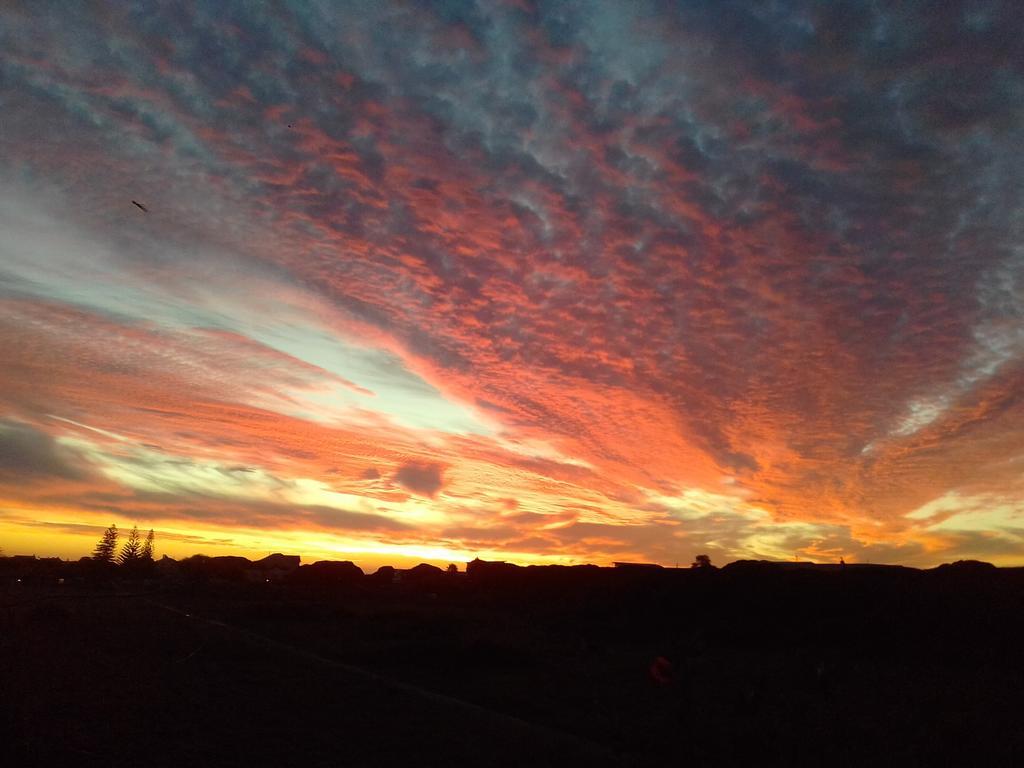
<point>420,477</point>
<point>27,453</point>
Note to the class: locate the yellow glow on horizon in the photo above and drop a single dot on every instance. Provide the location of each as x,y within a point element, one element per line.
<point>73,534</point>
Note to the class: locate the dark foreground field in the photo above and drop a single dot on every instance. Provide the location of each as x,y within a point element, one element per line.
<point>857,666</point>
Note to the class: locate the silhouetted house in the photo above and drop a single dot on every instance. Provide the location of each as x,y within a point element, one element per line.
<point>494,574</point>
<point>326,573</point>
<point>228,565</point>
<point>15,568</point>
<point>562,576</point>
<point>775,565</point>
<point>29,568</point>
<point>638,566</point>
<point>84,568</point>
<point>477,568</point>
<point>273,568</point>
<point>965,572</point>
<point>278,563</point>
<point>967,566</point>
<point>221,568</point>
<point>424,574</point>
<point>645,573</point>
<point>167,568</point>
<point>386,574</point>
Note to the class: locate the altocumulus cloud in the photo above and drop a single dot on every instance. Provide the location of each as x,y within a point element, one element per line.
<point>590,253</point>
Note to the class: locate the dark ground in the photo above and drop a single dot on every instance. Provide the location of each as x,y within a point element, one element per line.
<point>541,667</point>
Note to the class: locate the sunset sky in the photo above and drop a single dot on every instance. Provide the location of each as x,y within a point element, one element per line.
<point>545,282</point>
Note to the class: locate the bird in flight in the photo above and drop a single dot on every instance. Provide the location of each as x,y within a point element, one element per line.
<point>140,206</point>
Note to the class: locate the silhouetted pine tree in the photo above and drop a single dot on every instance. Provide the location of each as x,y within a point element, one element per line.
<point>131,552</point>
<point>104,551</point>
<point>147,547</point>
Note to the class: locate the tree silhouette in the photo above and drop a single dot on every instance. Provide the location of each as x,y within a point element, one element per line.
<point>131,552</point>
<point>106,547</point>
<point>147,547</point>
<point>702,561</point>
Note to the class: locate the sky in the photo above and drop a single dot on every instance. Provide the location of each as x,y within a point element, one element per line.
<point>547,282</point>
